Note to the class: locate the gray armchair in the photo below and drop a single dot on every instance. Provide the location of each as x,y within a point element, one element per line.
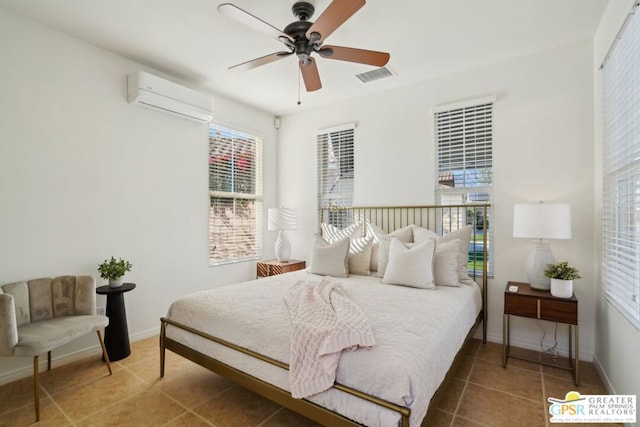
<point>39,315</point>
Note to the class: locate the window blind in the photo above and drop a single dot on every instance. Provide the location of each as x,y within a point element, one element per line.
<point>621,172</point>
<point>464,168</point>
<point>235,195</point>
<point>465,151</point>
<point>336,169</point>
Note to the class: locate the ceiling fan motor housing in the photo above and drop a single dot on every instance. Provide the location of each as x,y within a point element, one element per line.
<point>297,30</point>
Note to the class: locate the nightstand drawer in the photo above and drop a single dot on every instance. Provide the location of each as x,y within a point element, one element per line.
<point>559,311</point>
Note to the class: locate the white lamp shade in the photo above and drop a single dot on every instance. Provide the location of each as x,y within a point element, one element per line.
<point>542,220</point>
<point>282,219</point>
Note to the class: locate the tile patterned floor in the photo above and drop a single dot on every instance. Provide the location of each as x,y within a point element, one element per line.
<point>83,394</point>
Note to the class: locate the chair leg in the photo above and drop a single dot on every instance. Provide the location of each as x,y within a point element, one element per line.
<point>104,352</point>
<point>49,360</point>
<point>162,349</point>
<point>36,386</point>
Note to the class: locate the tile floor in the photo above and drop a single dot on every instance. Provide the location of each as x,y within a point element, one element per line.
<point>83,394</point>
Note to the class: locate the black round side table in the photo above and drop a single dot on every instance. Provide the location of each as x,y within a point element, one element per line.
<point>116,335</point>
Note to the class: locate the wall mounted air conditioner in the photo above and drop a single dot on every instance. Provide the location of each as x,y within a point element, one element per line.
<point>155,93</point>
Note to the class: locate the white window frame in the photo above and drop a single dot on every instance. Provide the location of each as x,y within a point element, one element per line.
<point>621,171</point>
<point>336,151</point>
<point>241,236</point>
<point>455,138</point>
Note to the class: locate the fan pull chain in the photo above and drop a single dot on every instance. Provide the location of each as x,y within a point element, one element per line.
<point>299,72</point>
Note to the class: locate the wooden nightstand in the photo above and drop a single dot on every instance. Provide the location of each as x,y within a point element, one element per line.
<point>273,267</point>
<point>528,302</point>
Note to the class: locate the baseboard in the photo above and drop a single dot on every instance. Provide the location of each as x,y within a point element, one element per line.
<point>64,359</point>
<point>533,345</point>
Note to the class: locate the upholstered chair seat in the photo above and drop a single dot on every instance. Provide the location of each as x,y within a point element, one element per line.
<point>40,315</point>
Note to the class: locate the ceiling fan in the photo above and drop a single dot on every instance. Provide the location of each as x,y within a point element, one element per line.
<point>304,38</point>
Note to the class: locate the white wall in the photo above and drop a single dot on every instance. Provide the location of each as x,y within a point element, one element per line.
<point>618,341</point>
<point>84,175</point>
<point>543,151</point>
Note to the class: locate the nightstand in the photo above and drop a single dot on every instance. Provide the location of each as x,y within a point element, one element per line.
<point>535,304</point>
<point>273,267</point>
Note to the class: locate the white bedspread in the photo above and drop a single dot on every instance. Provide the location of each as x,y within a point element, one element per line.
<point>417,332</point>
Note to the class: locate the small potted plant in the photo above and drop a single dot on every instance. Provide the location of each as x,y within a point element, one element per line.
<point>562,276</point>
<point>113,271</point>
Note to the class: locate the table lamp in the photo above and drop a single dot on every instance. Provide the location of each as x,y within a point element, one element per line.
<point>541,221</point>
<point>281,219</point>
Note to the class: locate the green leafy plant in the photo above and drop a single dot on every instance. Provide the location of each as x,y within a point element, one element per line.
<point>112,269</point>
<point>562,271</point>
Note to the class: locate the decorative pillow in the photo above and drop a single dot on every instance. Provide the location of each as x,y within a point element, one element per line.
<point>410,266</point>
<point>331,233</point>
<point>404,234</point>
<point>445,263</point>
<point>360,256</point>
<point>464,237</point>
<point>380,252</point>
<point>373,230</point>
<point>382,255</point>
<point>420,234</point>
<point>329,259</point>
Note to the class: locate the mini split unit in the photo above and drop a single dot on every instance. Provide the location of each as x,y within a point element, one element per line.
<point>155,93</point>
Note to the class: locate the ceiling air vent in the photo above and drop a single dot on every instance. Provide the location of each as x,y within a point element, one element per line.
<point>377,74</point>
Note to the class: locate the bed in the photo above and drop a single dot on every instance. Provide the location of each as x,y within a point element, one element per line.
<point>243,331</point>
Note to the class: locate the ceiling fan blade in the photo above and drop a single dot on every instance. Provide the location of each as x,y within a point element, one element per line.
<point>310,75</point>
<point>252,21</point>
<point>260,61</point>
<point>362,56</point>
<point>333,16</point>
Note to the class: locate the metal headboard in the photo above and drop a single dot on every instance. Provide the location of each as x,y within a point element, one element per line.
<point>441,219</point>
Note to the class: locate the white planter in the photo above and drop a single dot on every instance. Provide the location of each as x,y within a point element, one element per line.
<point>562,288</point>
<point>115,283</point>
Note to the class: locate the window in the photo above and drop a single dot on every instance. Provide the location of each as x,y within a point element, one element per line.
<point>235,196</point>
<point>335,171</point>
<point>464,157</point>
<point>621,172</point>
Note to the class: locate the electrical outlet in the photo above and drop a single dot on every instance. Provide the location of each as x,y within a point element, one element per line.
<point>101,311</point>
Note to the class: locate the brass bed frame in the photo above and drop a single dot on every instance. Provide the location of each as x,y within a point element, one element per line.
<point>438,218</point>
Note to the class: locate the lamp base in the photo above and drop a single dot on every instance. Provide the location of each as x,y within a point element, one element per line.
<point>539,257</point>
<point>283,247</point>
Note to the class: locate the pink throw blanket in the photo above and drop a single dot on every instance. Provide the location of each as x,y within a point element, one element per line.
<point>325,322</point>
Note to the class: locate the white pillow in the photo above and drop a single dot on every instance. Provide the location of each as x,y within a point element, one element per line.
<point>329,259</point>
<point>360,256</point>
<point>410,266</point>
<point>382,255</point>
<point>445,263</point>
<point>420,234</point>
<point>380,251</point>
<point>464,237</point>
<point>404,234</point>
<point>373,231</point>
<point>330,232</point>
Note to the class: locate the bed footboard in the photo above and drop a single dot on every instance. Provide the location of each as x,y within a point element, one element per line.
<point>276,394</point>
